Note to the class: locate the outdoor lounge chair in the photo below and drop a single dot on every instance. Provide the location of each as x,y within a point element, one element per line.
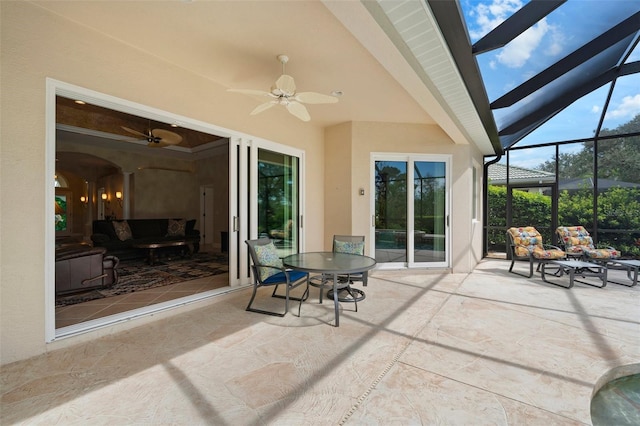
<point>268,271</point>
<point>577,242</point>
<point>525,243</point>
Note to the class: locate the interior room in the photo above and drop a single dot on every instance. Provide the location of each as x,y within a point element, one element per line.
<point>106,171</point>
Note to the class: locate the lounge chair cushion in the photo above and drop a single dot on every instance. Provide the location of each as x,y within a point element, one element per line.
<point>552,254</point>
<point>577,240</point>
<point>602,254</point>
<point>528,241</point>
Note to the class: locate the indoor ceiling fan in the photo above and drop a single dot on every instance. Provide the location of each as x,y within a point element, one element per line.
<point>157,138</point>
<point>284,93</point>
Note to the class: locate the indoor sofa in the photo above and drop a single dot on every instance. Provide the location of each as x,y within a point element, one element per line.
<point>120,237</point>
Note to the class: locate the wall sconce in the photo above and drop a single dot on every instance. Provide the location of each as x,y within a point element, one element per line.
<point>119,197</point>
<point>104,198</point>
<point>84,200</point>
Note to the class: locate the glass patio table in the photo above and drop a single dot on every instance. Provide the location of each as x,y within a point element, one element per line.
<point>330,263</point>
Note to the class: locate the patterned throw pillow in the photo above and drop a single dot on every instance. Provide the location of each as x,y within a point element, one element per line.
<point>123,231</point>
<point>349,247</point>
<point>176,228</point>
<point>268,256</point>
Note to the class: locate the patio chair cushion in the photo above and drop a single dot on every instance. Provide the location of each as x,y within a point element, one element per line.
<point>268,256</point>
<point>349,247</point>
<point>280,277</point>
<point>576,240</point>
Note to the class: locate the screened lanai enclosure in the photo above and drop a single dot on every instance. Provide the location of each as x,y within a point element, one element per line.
<point>557,87</point>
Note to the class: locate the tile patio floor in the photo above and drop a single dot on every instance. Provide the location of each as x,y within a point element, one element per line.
<point>424,348</point>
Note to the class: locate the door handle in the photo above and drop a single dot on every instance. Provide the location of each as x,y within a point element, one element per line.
<point>235,224</point>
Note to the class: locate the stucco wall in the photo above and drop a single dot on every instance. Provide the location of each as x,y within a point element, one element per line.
<point>368,137</point>
<point>337,177</point>
<point>37,45</point>
<point>161,186</point>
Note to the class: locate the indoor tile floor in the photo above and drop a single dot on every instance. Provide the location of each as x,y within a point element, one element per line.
<point>74,314</point>
<point>423,348</point>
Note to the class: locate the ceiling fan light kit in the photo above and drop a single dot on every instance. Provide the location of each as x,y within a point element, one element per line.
<point>284,93</point>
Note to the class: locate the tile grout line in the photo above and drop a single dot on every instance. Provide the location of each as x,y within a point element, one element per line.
<point>495,394</point>
<point>395,359</point>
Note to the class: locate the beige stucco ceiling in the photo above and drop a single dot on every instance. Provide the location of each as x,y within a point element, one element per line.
<point>235,45</point>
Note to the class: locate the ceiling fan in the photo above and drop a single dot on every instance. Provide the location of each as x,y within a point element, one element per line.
<point>157,138</point>
<point>284,93</point>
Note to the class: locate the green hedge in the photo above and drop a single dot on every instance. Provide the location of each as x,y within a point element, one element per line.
<point>533,206</point>
<point>618,209</point>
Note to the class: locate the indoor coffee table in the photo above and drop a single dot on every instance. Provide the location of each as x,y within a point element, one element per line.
<point>631,266</point>
<point>152,257</point>
<point>330,263</point>
<point>573,267</point>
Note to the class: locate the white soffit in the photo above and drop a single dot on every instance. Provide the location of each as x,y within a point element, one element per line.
<point>428,71</point>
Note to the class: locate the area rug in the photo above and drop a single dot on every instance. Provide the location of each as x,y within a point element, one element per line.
<point>137,275</point>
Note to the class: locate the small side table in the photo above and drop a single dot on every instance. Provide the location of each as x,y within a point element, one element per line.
<point>631,266</point>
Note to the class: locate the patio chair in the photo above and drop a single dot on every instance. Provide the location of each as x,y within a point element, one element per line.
<point>268,271</point>
<point>351,244</point>
<point>577,242</point>
<point>525,243</point>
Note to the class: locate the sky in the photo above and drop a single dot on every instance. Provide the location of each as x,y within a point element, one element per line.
<point>561,32</point>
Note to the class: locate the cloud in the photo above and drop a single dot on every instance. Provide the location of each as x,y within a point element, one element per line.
<point>556,43</point>
<point>629,107</point>
<point>518,52</point>
<point>595,109</point>
<point>489,16</point>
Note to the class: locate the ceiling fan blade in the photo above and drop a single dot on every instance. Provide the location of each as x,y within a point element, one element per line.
<point>160,144</point>
<point>134,132</point>
<point>315,98</point>
<point>299,110</point>
<point>262,107</point>
<point>285,86</point>
<point>170,138</point>
<point>250,92</point>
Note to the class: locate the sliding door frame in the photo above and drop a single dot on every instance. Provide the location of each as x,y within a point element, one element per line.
<point>243,200</point>
<point>411,159</point>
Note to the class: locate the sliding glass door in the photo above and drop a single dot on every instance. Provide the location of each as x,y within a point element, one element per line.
<point>278,204</point>
<point>411,210</point>
<point>265,201</point>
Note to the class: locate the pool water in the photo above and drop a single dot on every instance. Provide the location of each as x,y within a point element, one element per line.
<point>617,403</point>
